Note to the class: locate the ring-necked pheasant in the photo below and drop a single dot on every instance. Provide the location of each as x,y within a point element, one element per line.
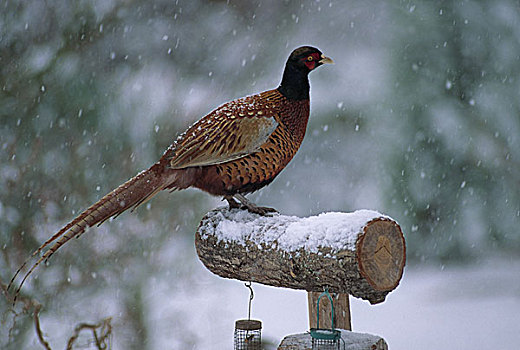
<point>236,149</point>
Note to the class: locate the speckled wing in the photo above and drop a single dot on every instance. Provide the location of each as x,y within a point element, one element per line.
<point>228,133</point>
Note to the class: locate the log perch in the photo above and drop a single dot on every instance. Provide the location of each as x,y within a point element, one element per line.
<point>360,253</point>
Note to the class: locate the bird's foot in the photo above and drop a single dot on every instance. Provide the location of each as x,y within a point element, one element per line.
<point>264,211</point>
<point>250,206</point>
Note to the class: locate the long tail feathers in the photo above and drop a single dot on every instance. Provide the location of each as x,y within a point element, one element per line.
<point>131,194</point>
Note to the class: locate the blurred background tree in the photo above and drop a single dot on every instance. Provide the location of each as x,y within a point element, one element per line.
<point>417,119</point>
<point>457,163</point>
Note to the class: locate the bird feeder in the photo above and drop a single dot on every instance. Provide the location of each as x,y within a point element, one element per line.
<point>324,338</point>
<point>248,333</point>
<point>361,254</point>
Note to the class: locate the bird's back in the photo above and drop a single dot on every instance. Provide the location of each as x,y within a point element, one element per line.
<point>244,144</point>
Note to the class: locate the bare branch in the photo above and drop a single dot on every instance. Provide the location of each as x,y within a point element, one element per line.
<point>37,308</point>
<point>101,331</point>
<point>102,340</point>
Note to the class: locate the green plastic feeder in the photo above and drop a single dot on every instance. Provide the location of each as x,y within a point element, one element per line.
<point>323,338</point>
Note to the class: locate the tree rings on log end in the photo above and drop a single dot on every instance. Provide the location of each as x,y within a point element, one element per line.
<point>381,254</point>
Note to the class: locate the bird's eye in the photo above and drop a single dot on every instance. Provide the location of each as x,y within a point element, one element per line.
<point>310,58</point>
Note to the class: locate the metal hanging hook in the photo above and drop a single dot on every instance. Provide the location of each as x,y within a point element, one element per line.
<point>251,296</point>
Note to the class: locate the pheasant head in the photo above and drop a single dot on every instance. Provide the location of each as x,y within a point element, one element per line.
<point>295,81</point>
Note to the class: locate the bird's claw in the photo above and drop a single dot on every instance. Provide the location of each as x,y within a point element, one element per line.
<point>263,211</point>
<point>246,204</point>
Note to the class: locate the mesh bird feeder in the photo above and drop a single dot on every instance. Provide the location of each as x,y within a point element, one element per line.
<point>248,333</point>
<point>323,338</point>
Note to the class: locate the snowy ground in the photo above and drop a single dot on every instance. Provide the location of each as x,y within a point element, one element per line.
<point>473,307</point>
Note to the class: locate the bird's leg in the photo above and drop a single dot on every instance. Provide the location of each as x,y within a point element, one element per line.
<point>233,204</point>
<point>252,207</point>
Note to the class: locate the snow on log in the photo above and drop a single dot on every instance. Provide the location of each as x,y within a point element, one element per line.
<point>360,253</point>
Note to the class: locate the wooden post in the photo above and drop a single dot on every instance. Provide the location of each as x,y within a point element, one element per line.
<point>341,311</point>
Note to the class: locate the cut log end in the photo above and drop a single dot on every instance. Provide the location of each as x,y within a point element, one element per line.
<point>381,254</point>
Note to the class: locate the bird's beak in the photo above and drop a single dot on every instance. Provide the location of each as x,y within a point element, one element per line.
<point>325,59</point>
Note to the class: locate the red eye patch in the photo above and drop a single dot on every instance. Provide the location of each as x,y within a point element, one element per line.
<point>311,64</point>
